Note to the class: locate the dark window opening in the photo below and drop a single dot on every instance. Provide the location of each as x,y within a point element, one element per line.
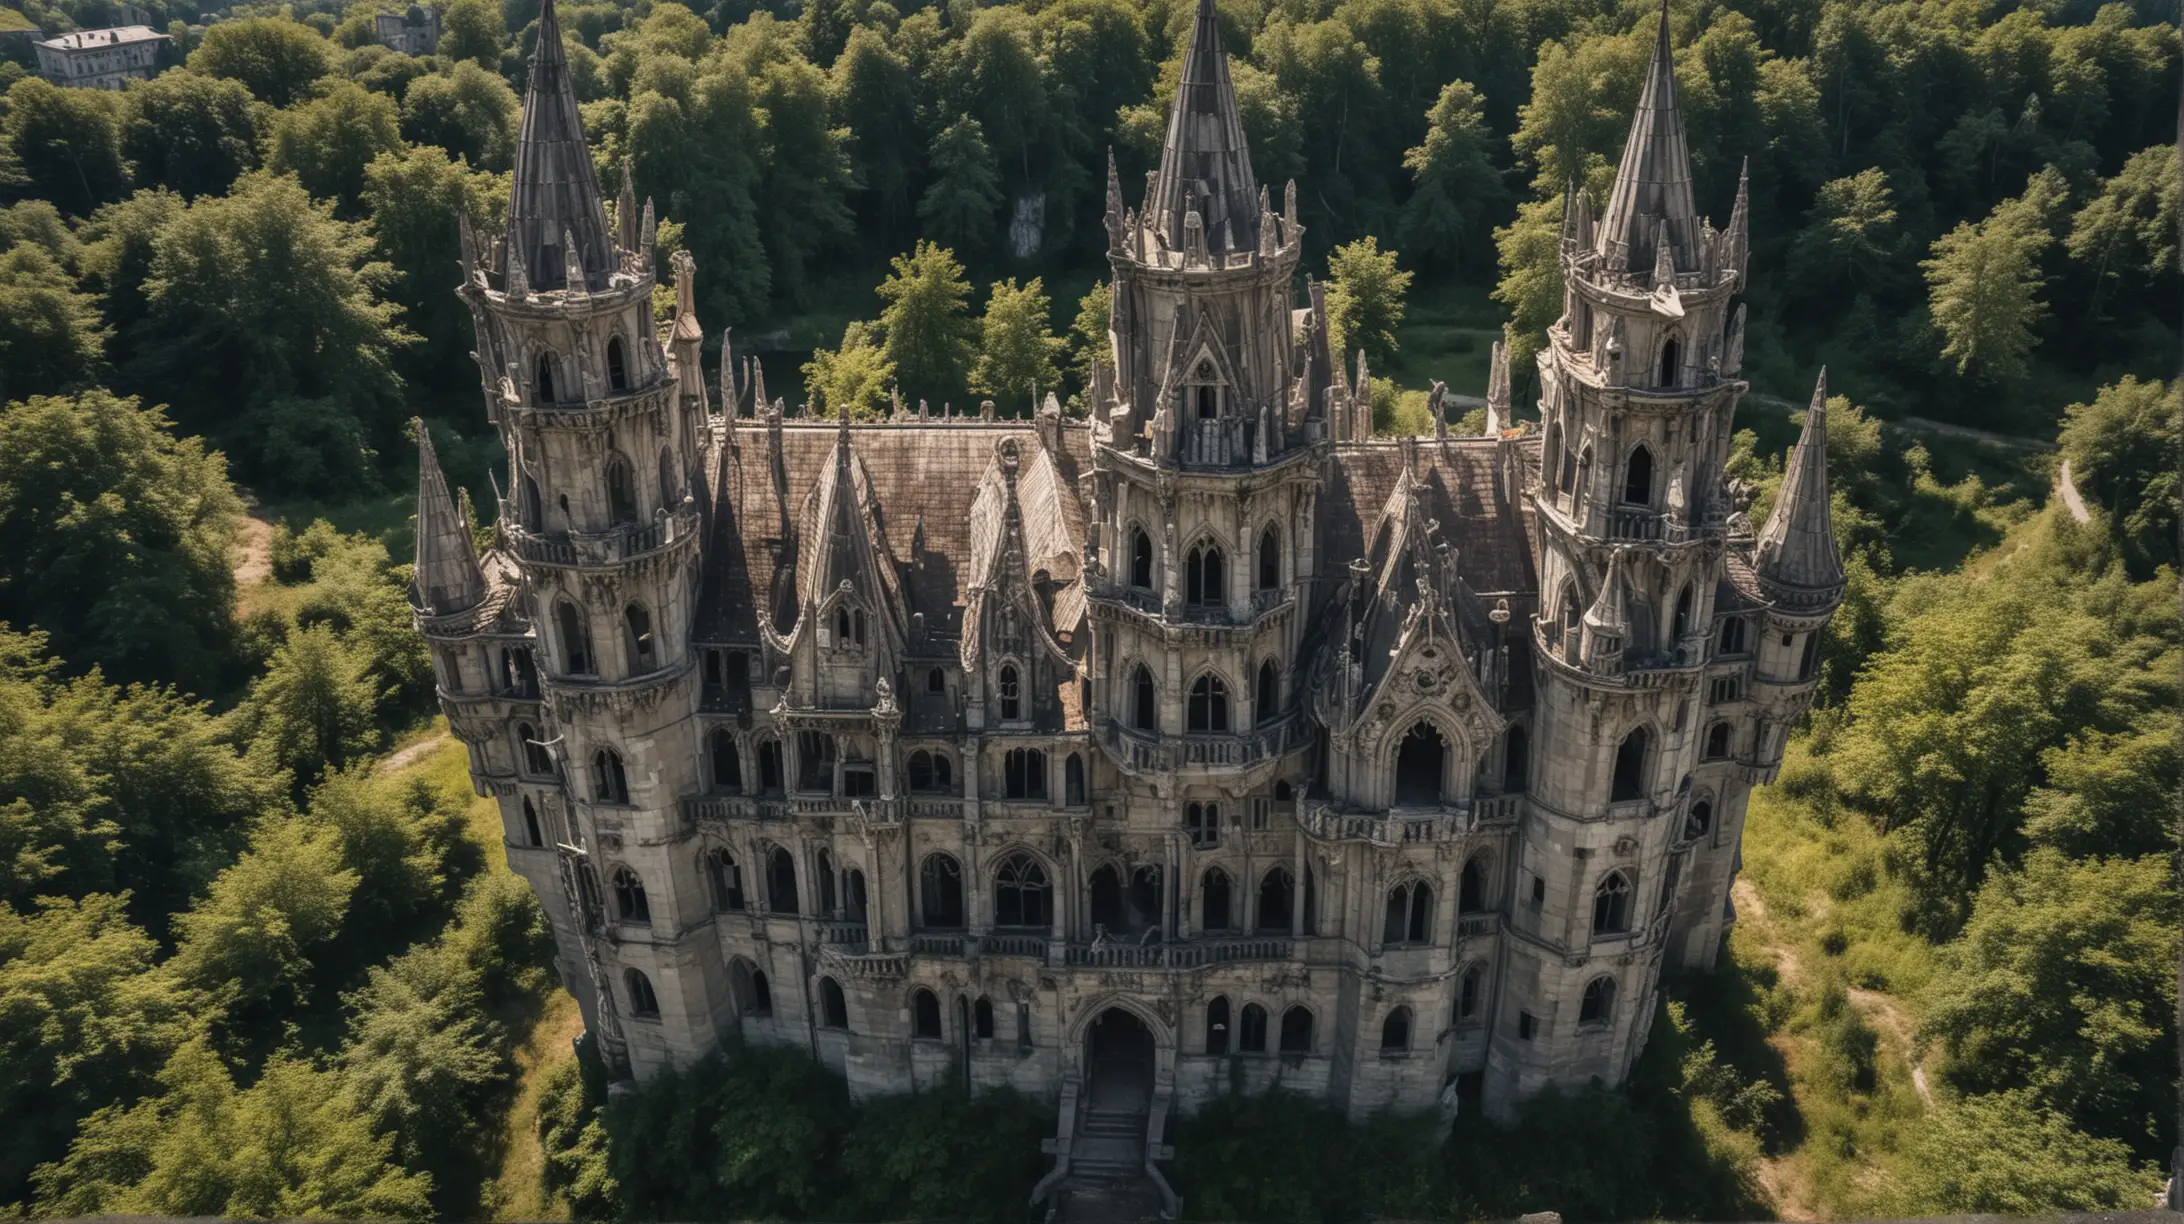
<point>930,771</point>
<point>936,681</point>
<point>1217,1026</point>
<point>1073,788</point>
<point>781,881</point>
<point>621,491</point>
<point>1611,905</point>
<point>1470,992</point>
<point>1297,1031</point>
<point>1023,774</point>
<point>1516,758</point>
<point>1106,888</point>
<point>1409,914</point>
<point>1251,1031</point>
<point>1205,577</point>
<point>644,650</point>
<point>1630,768</point>
<point>1680,624</point>
<point>1638,479</point>
<point>1203,822</point>
<point>1144,898</point>
<point>617,369</point>
<point>1145,701</point>
<point>1671,364</point>
<point>545,379</point>
<point>1267,699</point>
<point>769,766</point>
<point>1420,764</point>
<point>1732,637</point>
<point>1021,894</point>
<point>1717,741</point>
<point>532,834</point>
<point>726,880</point>
<point>833,1008</point>
<point>1277,901</point>
<point>815,755</point>
<point>1701,820</point>
<point>1141,560</point>
<point>629,898</point>
<point>1599,1000</point>
<point>925,1015</point>
<point>1270,559</point>
<point>1208,708</point>
<point>940,893</point>
<point>761,995</point>
<point>536,760</point>
<point>1395,1032</point>
<point>982,1019</point>
<point>1471,887</point>
<point>727,762</point>
<point>643,1003</point>
<point>1012,703</point>
<point>575,640</point>
<point>1214,900</point>
<point>825,872</point>
<point>609,783</point>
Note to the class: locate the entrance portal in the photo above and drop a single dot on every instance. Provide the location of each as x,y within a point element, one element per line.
<point>1119,1058</point>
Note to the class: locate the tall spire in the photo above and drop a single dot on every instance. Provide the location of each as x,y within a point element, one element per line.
<point>1205,166</point>
<point>447,579</point>
<point>1653,184</point>
<point>555,192</point>
<point>1797,558</point>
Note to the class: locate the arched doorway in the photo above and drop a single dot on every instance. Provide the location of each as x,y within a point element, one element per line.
<point>1119,1062</point>
<point>1420,764</point>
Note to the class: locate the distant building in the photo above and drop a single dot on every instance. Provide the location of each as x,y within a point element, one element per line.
<point>415,32</point>
<point>101,59</point>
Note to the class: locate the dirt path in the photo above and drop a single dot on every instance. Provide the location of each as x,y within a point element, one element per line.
<point>2067,489</point>
<point>1898,1029</point>
<point>516,1194</point>
<point>253,552</point>
<point>404,757</point>
<point>1782,1178</point>
<point>1917,424</point>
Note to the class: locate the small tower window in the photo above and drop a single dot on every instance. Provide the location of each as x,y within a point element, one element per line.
<point>621,490</point>
<point>643,1003</point>
<point>1145,701</point>
<point>1217,1026</point>
<point>925,1014</point>
<point>1630,768</point>
<point>1420,764</point>
<point>726,879</point>
<point>1251,1030</point>
<point>936,681</point>
<point>1023,774</point>
<point>1409,914</point>
<point>532,835</point>
<point>575,639</point>
<point>1599,1000</point>
<point>1021,895</point>
<point>1141,560</point>
<point>1681,625</point>
<point>1073,792</point>
<point>1732,636</point>
<point>1270,558</point>
<point>536,760</point>
<point>1205,577</point>
<point>1700,821</point>
<point>629,898</point>
<point>1267,698</point>
<point>833,1008</point>
<point>1214,898</point>
<point>1395,1032</point>
<point>1671,363</point>
<point>609,783</point>
<point>1717,741</point>
<point>644,649</point>
<point>1470,992</point>
<point>617,369</point>
<point>1638,478</point>
<point>1209,704</point>
<point>1203,822</point>
<point>769,766</point>
<point>1516,758</point>
<point>781,881</point>
<point>727,762</point>
<point>1012,704</point>
<point>544,379</point>
<point>1297,1030</point>
<point>1471,886</point>
<point>940,893</point>
<point>1611,905</point>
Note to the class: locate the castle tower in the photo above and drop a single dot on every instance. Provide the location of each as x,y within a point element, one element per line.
<point>599,545</point>
<point>1206,475</point>
<point>1638,388</point>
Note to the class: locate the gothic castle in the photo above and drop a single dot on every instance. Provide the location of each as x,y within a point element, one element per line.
<point>1205,745</point>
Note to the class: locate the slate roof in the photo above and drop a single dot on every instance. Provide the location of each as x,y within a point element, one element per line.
<point>1457,484</point>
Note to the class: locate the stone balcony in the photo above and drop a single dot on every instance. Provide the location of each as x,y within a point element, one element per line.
<point>1152,752</point>
<point>1408,826</point>
<point>601,549</point>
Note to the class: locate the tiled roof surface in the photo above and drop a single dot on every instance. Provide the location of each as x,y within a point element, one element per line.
<point>1458,488</point>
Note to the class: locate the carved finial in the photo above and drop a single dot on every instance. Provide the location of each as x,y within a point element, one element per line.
<point>572,263</point>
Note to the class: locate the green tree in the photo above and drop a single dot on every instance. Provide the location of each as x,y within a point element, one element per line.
<point>50,333</point>
<point>1456,190</point>
<point>1088,338</point>
<point>468,111</point>
<point>928,330</point>
<point>404,844</point>
<point>112,514</point>
<point>875,97</point>
<point>413,197</point>
<point>117,262</point>
<point>312,710</point>
<point>276,59</point>
<point>857,373</point>
<point>958,207</point>
<point>807,172</point>
<point>327,142</point>
<point>67,142</point>
<point>422,1061</point>
<point>289,1146</point>
<point>1017,350</point>
<point>1849,238</point>
<point>2003,1154</point>
<point>2128,232</point>
<point>1984,284</point>
<point>84,1021</point>
<point>2122,454</point>
<point>251,940</point>
<point>2107,793</point>
<point>264,330</point>
<point>1578,113</point>
<point>1364,298</point>
<point>191,133</point>
<point>473,31</point>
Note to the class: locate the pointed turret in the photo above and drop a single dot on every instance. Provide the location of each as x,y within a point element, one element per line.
<point>1653,184</point>
<point>1115,206</point>
<point>1205,167</point>
<point>1737,240</point>
<point>448,579</point>
<point>555,192</point>
<point>1606,624</point>
<point>1497,390</point>
<point>1796,558</point>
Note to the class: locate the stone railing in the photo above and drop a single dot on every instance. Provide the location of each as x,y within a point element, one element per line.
<point>1151,752</point>
<point>1471,925</point>
<point>1189,954</point>
<point>616,545</point>
<point>937,945</point>
<point>1017,944</point>
<point>854,961</point>
<point>1324,822</point>
<point>935,807</point>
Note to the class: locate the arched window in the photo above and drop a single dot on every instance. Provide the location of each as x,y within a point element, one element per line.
<point>1023,774</point>
<point>1106,888</point>
<point>1611,905</point>
<point>781,881</point>
<point>1073,788</point>
<point>617,369</point>
<point>1638,478</point>
<point>1021,894</point>
<point>841,628</point>
<point>982,1019</point>
<point>1144,700</point>
<point>1571,612</point>
<point>1277,901</point>
<point>536,760</point>
<point>1012,700</point>
<point>1205,577</point>
<point>533,835</point>
<point>940,893</point>
<point>1217,1026</point>
<point>1471,886</point>
<point>929,771</point>
<point>1410,914</point>
<point>587,890</point>
<point>925,1014</point>
<point>1701,820</point>
<point>769,766</point>
<point>1270,558</point>
<point>1808,661</point>
<point>1717,741</point>
<point>1630,767</point>
<point>833,1008</point>
<point>761,995</point>
<point>936,681</point>
<point>1214,900</point>
<point>1732,636</point>
<point>1266,698</point>
<point>824,869</point>
<point>1251,1030</point>
<point>1516,758</point>
<point>1141,559</point>
<point>643,1004</point>
<point>1144,898</point>
<point>727,762</point>
<point>1420,764</point>
<point>1599,1000</point>
<point>644,648</point>
<point>854,911</point>
<point>670,487</point>
<point>1208,710</point>
<point>1203,822</point>
<point>1470,993</point>
<point>609,783</point>
<point>1395,1032</point>
<point>1671,364</point>
<point>815,754</point>
<point>621,490</point>
<point>576,656</point>
<point>725,879</point>
<point>629,898</point>
<point>1297,1030</point>
<point>543,379</point>
<point>1681,623</point>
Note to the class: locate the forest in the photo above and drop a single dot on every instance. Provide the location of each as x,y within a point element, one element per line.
<point>260,954</point>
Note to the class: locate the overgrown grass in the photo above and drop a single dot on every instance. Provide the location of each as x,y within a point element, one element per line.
<point>1448,333</point>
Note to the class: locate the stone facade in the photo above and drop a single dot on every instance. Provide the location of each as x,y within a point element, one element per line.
<point>414,31</point>
<point>101,59</point>
<point>1206,745</point>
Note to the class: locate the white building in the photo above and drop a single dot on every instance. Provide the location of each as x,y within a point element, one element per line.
<point>101,59</point>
